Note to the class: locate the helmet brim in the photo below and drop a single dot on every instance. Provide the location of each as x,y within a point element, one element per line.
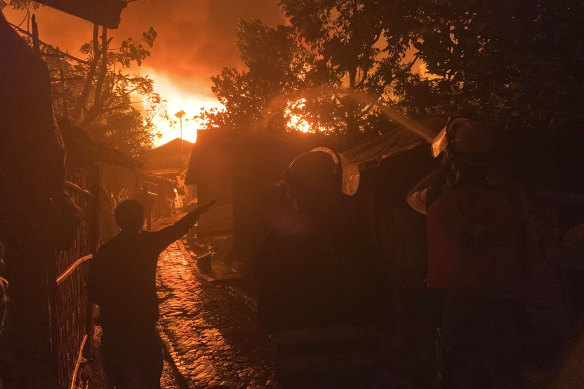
<point>349,171</point>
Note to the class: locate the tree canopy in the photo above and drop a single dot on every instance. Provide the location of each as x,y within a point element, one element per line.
<point>516,63</point>
<point>276,65</point>
<point>98,92</point>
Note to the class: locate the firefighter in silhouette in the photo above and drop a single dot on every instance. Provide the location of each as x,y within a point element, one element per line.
<point>475,259</point>
<point>318,279</point>
<point>555,244</point>
<point>122,283</point>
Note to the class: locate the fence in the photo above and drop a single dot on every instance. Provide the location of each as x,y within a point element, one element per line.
<point>69,300</point>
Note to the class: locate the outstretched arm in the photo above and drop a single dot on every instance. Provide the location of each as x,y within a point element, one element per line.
<point>163,238</point>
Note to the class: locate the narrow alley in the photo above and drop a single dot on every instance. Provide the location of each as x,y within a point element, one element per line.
<point>208,328</point>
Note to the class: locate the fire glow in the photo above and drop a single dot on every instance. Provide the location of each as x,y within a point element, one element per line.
<point>175,99</point>
<point>297,122</point>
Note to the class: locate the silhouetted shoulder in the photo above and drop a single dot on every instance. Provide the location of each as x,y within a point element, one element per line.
<point>151,238</point>
<point>113,242</point>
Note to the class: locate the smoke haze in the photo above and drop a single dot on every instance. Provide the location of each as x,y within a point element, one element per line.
<point>196,39</point>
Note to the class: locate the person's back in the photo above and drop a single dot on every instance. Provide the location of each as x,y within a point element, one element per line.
<point>318,282</point>
<point>475,260</point>
<point>127,270</point>
<point>319,275</point>
<point>474,243</point>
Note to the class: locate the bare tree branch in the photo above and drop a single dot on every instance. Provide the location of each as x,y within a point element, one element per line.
<point>82,100</point>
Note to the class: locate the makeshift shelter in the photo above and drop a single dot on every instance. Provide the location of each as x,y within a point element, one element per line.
<point>163,185</point>
<point>210,165</point>
<point>45,330</point>
<point>31,157</point>
<point>390,166</point>
<point>172,155</point>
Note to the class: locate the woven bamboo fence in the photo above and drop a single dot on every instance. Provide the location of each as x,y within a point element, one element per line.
<point>69,300</point>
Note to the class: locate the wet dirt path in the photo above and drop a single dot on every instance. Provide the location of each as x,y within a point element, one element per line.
<point>210,331</point>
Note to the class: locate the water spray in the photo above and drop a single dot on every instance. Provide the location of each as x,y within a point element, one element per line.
<point>357,96</point>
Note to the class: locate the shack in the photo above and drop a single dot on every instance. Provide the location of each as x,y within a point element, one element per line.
<point>48,289</point>
<point>391,165</point>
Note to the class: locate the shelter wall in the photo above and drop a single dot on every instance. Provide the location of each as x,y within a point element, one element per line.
<point>400,232</point>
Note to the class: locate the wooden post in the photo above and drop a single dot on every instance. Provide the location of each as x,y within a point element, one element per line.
<point>35,35</point>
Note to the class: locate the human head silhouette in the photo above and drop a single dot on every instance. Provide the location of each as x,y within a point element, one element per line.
<point>129,215</point>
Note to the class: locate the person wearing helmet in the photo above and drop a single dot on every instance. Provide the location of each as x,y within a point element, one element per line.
<point>475,260</point>
<point>468,154</point>
<point>318,281</point>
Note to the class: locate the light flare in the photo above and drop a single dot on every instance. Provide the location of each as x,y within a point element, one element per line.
<point>358,96</point>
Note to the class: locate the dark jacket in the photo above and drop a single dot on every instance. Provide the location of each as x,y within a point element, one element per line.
<point>315,273</point>
<point>122,273</point>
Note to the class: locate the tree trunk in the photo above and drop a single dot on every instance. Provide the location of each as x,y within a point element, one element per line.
<point>352,123</point>
<point>97,106</point>
<point>82,100</point>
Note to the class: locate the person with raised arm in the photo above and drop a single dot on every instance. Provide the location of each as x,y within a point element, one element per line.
<point>122,282</point>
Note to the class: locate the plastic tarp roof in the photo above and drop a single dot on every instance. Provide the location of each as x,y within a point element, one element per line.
<point>170,174</point>
<point>81,147</point>
<point>103,12</point>
<point>370,154</point>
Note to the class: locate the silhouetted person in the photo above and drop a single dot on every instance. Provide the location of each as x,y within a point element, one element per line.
<point>318,279</point>
<point>475,259</point>
<point>122,283</point>
<point>555,244</point>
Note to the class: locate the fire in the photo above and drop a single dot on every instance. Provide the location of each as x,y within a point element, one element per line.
<point>297,122</point>
<point>175,99</point>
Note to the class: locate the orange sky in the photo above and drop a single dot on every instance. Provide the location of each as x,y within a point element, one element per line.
<point>196,39</point>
